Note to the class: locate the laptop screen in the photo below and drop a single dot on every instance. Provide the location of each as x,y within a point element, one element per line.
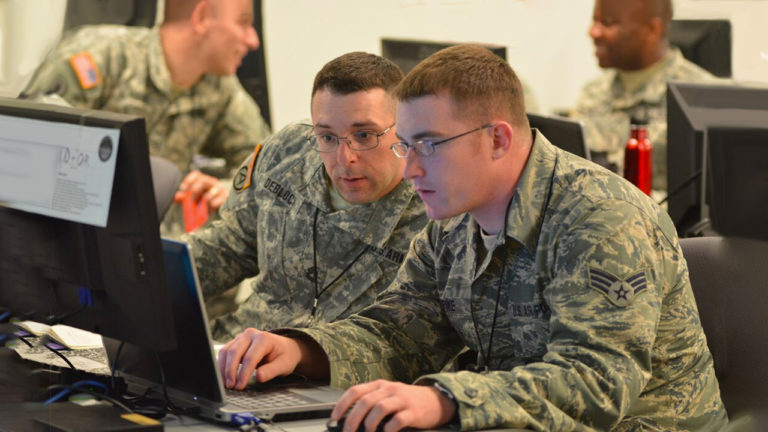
<point>190,368</point>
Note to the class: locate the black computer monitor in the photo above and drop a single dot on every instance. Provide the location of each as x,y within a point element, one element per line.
<point>704,42</point>
<point>106,279</point>
<point>562,132</point>
<point>406,53</point>
<point>738,168</point>
<point>692,109</point>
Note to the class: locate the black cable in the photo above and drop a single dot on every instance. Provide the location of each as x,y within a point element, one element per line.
<point>53,320</point>
<point>61,356</point>
<point>486,357</point>
<point>114,364</point>
<point>110,399</point>
<point>23,339</point>
<point>173,408</point>
<point>137,398</point>
<point>318,291</point>
<point>680,187</point>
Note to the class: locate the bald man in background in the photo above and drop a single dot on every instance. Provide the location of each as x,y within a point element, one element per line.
<point>178,76</point>
<point>631,42</point>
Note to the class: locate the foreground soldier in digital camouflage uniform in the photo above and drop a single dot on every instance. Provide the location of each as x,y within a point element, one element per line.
<point>631,41</point>
<point>567,280</point>
<point>325,223</point>
<point>179,77</point>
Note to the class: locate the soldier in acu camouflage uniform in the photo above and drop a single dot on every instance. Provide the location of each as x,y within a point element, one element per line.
<point>567,281</point>
<point>179,77</point>
<point>631,39</point>
<point>320,214</point>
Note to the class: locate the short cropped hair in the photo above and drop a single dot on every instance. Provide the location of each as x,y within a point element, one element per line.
<point>480,83</point>
<point>357,71</point>
<point>661,9</point>
<point>179,10</point>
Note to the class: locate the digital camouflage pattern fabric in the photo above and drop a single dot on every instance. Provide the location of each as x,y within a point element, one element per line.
<point>605,108</point>
<point>122,69</point>
<point>571,349</point>
<point>266,230</point>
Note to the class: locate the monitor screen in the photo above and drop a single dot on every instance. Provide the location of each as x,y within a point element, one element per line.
<point>704,42</point>
<point>408,53</point>
<point>106,279</point>
<point>691,110</point>
<point>190,367</point>
<point>738,168</point>
<point>562,132</point>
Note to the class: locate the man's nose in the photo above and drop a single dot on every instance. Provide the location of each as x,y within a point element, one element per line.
<point>596,30</point>
<point>344,151</point>
<point>253,40</point>
<point>413,168</point>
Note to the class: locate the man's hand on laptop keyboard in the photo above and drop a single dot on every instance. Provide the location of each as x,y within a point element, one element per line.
<point>273,354</point>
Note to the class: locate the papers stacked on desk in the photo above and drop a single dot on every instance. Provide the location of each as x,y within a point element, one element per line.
<point>70,337</point>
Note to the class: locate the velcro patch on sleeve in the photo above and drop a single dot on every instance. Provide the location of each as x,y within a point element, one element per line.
<point>619,291</point>
<point>242,179</point>
<point>85,69</point>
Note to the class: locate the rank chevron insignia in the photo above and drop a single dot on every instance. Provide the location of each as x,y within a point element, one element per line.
<point>620,292</point>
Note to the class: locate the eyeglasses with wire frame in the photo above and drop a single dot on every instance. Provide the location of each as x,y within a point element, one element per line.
<point>427,147</point>
<point>360,140</point>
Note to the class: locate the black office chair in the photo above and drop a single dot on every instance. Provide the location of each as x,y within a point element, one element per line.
<point>729,277</point>
<point>165,178</point>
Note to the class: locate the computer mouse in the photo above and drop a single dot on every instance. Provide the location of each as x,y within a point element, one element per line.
<point>338,426</point>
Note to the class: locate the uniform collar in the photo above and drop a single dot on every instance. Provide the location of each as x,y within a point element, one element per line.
<point>158,70</point>
<point>526,210</point>
<point>161,75</point>
<point>652,92</point>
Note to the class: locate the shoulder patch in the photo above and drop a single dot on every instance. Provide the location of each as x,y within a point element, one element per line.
<point>619,291</point>
<point>243,176</point>
<point>86,70</point>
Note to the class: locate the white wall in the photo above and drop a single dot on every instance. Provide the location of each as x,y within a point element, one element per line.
<point>547,40</point>
<point>28,29</point>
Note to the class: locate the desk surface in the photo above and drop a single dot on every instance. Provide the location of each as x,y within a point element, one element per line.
<point>183,423</point>
<point>315,425</point>
<point>16,389</point>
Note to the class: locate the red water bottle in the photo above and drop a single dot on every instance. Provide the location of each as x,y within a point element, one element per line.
<point>637,157</point>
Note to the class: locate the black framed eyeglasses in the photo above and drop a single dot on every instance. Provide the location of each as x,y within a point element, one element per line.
<point>427,147</point>
<point>360,140</point>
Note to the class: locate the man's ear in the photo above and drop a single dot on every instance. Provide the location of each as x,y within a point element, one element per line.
<point>656,28</point>
<point>503,136</point>
<point>201,16</point>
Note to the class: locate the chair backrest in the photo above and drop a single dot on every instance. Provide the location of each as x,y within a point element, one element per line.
<point>729,277</point>
<point>165,179</point>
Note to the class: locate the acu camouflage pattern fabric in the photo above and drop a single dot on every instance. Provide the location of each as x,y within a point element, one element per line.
<point>216,117</point>
<point>566,354</point>
<point>266,230</point>
<point>605,109</point>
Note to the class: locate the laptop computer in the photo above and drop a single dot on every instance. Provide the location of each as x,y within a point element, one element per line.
<point>189,373</point>
<point>562,132</point>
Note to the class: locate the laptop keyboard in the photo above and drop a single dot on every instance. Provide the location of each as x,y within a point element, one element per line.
<point>259,399</point>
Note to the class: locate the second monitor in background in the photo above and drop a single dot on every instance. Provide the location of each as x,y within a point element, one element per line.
<point>562,132</point>
<point>738,168</point>
<point>408,53</point>
<point>700,116</point>
<point>704,42</point>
